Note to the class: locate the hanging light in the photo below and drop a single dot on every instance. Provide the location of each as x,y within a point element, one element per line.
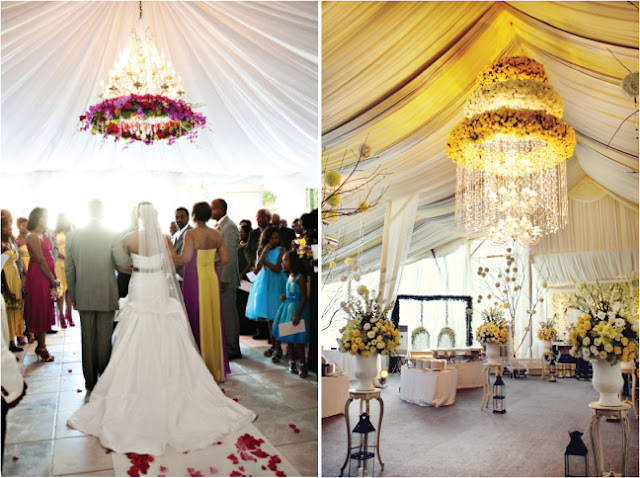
<point>142,99</point>
<point>511,152</point>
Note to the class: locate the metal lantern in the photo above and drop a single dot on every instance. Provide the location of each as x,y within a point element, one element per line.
<point>576,457</point>
<point>499,397</point>
<point>361,458</point>
<point>552,369</point>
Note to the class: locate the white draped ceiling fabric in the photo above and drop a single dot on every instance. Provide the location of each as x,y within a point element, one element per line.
<point>396,75</point>
<point>252,66</point>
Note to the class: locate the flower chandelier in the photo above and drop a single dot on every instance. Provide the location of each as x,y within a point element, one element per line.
<point>511,152</point>
<point>142,100</point>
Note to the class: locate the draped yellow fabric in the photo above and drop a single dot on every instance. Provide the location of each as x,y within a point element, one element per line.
<point>14,316</point>
<point>211,343</point>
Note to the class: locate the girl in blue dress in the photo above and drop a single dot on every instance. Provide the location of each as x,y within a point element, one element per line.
<point>294,308</point>
<point>264,297</point>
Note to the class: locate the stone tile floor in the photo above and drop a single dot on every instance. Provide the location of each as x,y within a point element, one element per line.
<point>38,435</point>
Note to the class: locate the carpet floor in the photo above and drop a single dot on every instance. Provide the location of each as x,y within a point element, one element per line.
<point>461,440</point>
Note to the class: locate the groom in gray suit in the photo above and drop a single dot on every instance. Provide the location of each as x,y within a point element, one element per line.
<point>92,254</point>
<point>182,220</point>
<point>229,277</point>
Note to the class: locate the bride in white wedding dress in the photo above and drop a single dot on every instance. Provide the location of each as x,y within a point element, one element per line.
<point>156,390</point>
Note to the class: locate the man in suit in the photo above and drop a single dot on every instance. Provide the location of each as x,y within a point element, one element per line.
<point>229,277</point>
<point>263,218</point>
<point>182,220</point>
<point>92,254</point>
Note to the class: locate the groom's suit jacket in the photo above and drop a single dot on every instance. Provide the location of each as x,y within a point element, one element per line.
<point>178,244</point>
<point>229,273</point>
<point>92,254</point>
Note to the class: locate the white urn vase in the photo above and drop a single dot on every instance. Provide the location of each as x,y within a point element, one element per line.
<point>547,345</point>
<point>493,353</point>
<point>607,380</point>
<point>366,372</point>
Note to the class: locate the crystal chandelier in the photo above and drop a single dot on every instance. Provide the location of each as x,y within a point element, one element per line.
<point>142,99</point>
<point>511,152</point>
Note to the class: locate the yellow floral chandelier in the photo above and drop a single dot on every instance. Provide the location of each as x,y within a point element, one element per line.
<point>511,152</point>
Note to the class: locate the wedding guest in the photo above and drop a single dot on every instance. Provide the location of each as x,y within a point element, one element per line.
<point>38,306</point>
<point>243,222</point>
<point>21,242</point>
<point>297,228</point>
<point>264,298</point>
<point>92,255</point>
<point>295,308</point>
<point>310,225</point>
<point>201,290</point>
<point>13,385</point>
<point>275,219</point>
<point>242,296</point>
<point>12,287</point>
<point>182,221</point>
<point>283,223</point>
<point>229,277</point>
<point>263,218</point>
<point>287,236</point>
<point>173,228</point>
<point>63,226</point>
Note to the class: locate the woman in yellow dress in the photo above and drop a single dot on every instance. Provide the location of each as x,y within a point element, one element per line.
<point>62,228</point>
<point>12,287</point>
<point>201,290</point>
<point>21,240</point>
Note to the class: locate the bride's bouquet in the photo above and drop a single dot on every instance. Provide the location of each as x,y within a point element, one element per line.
<point>368,330</point>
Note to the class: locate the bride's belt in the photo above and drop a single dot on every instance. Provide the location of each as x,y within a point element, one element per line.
<point>137,269</point>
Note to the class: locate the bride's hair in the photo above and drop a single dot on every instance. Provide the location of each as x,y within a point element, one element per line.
<point>143,203</point>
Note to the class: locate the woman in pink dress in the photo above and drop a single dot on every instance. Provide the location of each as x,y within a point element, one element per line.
<point>38,305</point>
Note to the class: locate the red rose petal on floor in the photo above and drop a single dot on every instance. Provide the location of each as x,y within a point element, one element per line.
<point>16,458</point>
<point>241,468</point>
<point>219,443</point>
<point>280,473</point>
<point>291,425</point>
<point>235,399</point>
<point>297,430</point>
<point>212,470</point>
<point>151,458</point>
<point>108,451</point>
<point>222,390</point>
<point>163,468</point>
<point>69,370</point>
<point>79,390</point>
<point>162,475</point>
<point>185,452</point>
<point>273,467</point>
<point>264,467</point>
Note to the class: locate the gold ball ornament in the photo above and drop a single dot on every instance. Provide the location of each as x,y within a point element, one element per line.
<point>334,200</point>
<point>332,178</point>
<point>363,207</point>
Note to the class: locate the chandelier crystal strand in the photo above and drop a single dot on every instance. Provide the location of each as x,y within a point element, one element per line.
<point>511,152</point>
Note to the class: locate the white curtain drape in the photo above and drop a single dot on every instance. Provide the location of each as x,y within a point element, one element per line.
<point>251,67</point>
<point>398,228</point>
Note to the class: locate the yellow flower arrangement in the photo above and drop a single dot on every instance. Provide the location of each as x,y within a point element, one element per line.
<point>494,328</point>
<point>525,94</point>
<point>368,330</point>
<point>515,67</point>
<point>606,330</point>
<point>559,138</point>
<point>547,330</point>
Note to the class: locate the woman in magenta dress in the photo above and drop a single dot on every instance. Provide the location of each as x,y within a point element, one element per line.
<point>38,304</point>
<point>201,290</point>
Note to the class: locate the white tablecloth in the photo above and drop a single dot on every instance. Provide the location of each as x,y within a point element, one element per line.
<point>335,392</point>
<point>469,374</point>
<point>428,388</point>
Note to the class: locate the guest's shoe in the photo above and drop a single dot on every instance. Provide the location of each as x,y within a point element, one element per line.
<point>32,338</point>
<point>70,320</point>
<point>292,367</point>
<point>304,371</point>
<point>14,348</point>
<point>260,337</point>
<point>269,352</point>
<point>44,355</point>
<point>235,356</point>
<point>63,324</point>
<point>276,358</point>
<point>52,331</point>
<point>22,340</point>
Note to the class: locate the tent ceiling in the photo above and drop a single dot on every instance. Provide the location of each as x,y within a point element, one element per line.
<point>405,93</point>
<point>251,65</point>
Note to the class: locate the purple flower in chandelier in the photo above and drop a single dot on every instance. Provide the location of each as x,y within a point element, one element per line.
<point>121,101</point>
<point>140,112</point>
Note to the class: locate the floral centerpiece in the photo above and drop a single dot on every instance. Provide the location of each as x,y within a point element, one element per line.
<point>605,334</point>
<point>368,330</point>
<point>367,334</point>
<point>547,330</point>
<point>494,329</point>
